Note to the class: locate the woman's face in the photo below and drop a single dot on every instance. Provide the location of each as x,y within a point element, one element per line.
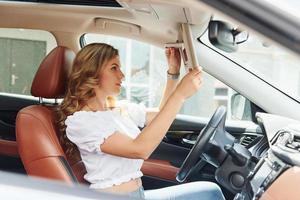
<point>111,77</point>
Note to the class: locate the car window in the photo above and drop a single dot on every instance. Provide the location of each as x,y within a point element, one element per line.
<point>145,67</point>
<point>21,52</point>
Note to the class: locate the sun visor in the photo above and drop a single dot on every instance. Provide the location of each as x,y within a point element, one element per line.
<point>117,26</point>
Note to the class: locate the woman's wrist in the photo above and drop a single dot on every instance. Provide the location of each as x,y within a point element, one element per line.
<point>172,75</point>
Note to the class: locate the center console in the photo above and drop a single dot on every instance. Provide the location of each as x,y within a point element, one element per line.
<point>265,172</point>
<point>283,154</point>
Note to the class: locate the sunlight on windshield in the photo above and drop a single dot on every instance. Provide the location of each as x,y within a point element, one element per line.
<point>276,65</point>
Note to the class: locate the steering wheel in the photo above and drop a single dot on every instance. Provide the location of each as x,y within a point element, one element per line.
<point>217,121</point>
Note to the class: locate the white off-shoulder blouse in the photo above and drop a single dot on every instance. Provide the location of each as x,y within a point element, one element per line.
<point>88,130</point>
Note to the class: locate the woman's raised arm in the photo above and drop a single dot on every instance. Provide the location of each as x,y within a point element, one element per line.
<point>144,144</point>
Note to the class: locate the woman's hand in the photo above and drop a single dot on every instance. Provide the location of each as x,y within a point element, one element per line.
<point>189,84</point>
<point>174,60</point>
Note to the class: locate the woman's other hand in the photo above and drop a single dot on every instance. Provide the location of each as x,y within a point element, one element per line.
<point>174,60</point>
<point>190,83</point>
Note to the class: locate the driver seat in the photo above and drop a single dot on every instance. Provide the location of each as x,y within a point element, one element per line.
<point>36,131</point>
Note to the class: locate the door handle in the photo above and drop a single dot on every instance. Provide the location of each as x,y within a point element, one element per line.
<point>187,141</point>
<point>13,79</point>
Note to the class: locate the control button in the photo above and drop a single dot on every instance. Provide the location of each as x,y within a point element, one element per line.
<point>259,192</point>
<point>237,180</point>
<point>267,181</point>
<point>276,166</point>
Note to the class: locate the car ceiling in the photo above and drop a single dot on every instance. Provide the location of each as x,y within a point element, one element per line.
<point>153,21</point>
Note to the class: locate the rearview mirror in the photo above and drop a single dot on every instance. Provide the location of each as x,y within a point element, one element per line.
<point>224,36</point>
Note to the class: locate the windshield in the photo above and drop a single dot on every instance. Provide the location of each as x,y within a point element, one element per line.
<point>288,7</point>
<point>272,63</point>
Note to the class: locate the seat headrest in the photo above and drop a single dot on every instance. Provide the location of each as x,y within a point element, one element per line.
<point>50,80</point>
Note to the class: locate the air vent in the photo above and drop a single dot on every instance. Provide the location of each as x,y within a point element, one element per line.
<point>102,3</point>
<point>247,140</point>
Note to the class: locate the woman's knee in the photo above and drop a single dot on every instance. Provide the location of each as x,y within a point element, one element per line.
<point>212,186</point>
<point>207,187</point>
<point>205,184</point>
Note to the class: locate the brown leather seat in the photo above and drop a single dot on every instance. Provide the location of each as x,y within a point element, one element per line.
<point>37,135</point>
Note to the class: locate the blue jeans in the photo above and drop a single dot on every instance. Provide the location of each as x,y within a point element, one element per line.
<point>191,191</point>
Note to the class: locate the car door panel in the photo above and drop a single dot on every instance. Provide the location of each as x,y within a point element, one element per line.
<point>9,107</point>
<point>160,168</point>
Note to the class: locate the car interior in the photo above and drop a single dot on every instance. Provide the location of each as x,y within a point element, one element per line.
<point>255,158</point>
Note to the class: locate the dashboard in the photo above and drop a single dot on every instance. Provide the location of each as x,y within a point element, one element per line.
<point>277,174</point>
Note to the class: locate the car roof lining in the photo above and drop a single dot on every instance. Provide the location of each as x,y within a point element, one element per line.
<point>103,3</point>
<point>159,21</point>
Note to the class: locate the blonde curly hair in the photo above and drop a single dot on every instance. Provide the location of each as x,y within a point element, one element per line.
<point>84,76</point>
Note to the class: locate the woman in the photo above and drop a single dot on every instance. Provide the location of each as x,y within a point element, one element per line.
<point>111,145</point>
